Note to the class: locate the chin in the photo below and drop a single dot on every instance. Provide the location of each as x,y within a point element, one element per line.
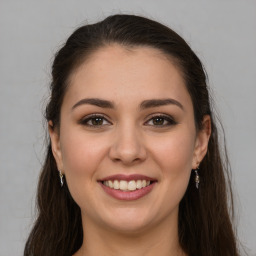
<point>129,221</point>
<point>129,228</point>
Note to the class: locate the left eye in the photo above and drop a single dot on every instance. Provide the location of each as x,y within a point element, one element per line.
<point>95,121</point>
<point>160,121</point>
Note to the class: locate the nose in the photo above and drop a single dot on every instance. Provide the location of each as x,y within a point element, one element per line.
<point>127,146</point>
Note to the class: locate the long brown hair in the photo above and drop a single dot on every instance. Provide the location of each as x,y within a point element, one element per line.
<point>205,215</point>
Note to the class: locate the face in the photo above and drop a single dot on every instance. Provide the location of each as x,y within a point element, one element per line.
<point>127,141</point>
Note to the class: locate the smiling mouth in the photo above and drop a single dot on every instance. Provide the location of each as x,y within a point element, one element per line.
<point>126,186</point>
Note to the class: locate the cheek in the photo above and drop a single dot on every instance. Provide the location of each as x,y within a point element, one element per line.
<point>176,151</point>
<point>174,155</point>
<point>81,155</point>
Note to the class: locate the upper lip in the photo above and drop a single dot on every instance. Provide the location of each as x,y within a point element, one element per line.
<point>128,177</point>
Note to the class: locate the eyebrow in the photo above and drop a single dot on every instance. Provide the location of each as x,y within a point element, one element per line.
<point>144,104</point>
<point>96,102</point>
<point>160,102</point>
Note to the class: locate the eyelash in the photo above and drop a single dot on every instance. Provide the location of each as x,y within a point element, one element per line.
<point>166,118</point>
<point>85,120</point>
<point>170,120</point>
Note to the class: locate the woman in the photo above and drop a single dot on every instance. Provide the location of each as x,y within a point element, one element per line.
<point>133,165</point>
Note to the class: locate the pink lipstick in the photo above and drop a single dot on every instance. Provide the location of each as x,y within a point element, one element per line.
<point>127,187</point>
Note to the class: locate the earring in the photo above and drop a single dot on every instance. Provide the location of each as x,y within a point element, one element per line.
<point>197,177</point>
<point>61,179</point>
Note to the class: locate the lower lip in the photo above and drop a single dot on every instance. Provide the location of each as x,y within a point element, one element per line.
<point>128,195</point>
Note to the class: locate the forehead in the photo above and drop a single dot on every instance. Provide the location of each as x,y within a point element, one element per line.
<point>127,74</point>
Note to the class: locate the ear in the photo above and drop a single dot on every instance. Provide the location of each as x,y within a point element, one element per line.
<point>55,144</point>
<point>201,143</point>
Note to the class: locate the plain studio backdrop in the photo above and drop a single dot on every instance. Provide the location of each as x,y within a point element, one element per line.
<point>223,35</point>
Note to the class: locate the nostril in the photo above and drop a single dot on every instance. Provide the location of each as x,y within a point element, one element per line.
<point>127,150</point>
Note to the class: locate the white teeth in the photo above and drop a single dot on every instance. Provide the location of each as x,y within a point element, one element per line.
<point>123,185</point>
<point>138,185</point>
<point>132,185</point>
<point>126,186</point>
<point>116,184</point>
<point>110,184</point>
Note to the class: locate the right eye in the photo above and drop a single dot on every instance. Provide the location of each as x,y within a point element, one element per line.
<point>95,121</point>
<point>160,121</point>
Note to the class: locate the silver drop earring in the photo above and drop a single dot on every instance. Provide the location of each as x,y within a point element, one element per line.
<point>61,179</point>
<point>197,177</point>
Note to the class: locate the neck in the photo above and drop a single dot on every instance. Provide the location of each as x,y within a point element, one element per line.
<point>158,240</point>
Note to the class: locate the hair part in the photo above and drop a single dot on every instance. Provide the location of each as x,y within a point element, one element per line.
<point>205,226</point>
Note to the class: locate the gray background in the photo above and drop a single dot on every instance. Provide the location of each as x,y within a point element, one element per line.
<point>222,33</point>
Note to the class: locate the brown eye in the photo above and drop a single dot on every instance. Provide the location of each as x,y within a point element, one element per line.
<point>161,121</point>
<point>95,120</point>
<point>158,120</point>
